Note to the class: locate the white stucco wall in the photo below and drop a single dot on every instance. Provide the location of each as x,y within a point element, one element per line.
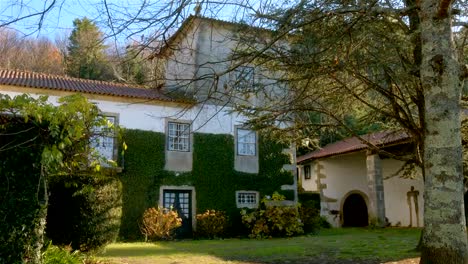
<point>151,117</point>
<point>202,53</point>
<point>396,188</point>
<point>309,185</point>
<point>347,173</point>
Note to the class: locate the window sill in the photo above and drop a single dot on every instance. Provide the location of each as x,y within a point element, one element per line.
<point>112,169</point>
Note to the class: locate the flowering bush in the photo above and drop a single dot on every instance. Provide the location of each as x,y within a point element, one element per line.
<point>159,223</point>
<point>212,224</point>
<point>273,221</point>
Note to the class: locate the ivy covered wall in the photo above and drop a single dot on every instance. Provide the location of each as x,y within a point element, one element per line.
<point>213,175</point>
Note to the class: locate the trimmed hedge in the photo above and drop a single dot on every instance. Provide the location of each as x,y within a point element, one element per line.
<point>20,203</point>
<point>84,212</point>
<point>213,176</point>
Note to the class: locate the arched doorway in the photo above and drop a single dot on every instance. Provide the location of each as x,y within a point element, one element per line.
<point>355,211</point>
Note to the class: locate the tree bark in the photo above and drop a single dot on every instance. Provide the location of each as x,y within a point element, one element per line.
<point>444,239</point>
<point>40,224</point>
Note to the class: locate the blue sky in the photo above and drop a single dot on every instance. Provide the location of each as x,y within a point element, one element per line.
<point>59,20</point>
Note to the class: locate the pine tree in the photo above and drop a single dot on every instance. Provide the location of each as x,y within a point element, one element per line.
<point>86,52</point>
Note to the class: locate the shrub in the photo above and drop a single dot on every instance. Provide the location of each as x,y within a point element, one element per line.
<point>324,222</point>
<point>57,255</point>
<point>159,223</point>
<point>273,221</point>
<point>310,217</point>
<point>85,213</point>
<point>212,224</point>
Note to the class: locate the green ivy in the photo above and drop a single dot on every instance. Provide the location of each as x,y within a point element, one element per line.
<point>213,175</point>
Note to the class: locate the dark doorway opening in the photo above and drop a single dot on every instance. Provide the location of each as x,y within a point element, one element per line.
<point>181,202</point>
<point>355,211</point>
<point>465,199</point>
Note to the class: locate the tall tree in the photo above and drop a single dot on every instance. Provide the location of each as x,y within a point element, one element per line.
<point>415,82</point>
<point>86,52</point>
<point>444,238</point>
<point>399,61</point>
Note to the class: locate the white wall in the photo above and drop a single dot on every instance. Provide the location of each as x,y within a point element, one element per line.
<point>309,185</point>
<point>347,173</point>
<point>396,188</point>
<point>151,117</point>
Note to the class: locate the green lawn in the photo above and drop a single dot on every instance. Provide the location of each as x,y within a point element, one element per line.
<point>333,245</point>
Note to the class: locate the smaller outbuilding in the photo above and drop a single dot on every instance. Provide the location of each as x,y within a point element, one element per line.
<point>359,185</point>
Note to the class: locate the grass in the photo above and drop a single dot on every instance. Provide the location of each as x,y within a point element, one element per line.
<point>335,245</point>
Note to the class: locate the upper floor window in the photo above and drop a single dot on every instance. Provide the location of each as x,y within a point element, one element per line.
<point>104,141</point>
<point>178,136</point>
<point>307,172</point>
<point>246,142</point>
<point>242,78</point>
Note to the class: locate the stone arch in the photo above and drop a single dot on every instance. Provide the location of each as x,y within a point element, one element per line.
<point>355,209</point>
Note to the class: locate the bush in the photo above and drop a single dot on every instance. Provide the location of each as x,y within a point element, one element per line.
<point>324,223</point>
<point>85,213</point>
<point>57,255</point>
<point>310,217</point>
<point>159,223</point>
<point>274,221</point>
<point>212,224</point>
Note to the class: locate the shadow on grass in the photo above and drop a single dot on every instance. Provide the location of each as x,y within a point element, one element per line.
<point>351,245</point>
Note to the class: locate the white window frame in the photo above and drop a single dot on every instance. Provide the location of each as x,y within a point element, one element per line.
<point>178,136</point>
<point>101,143</point>
<point>247,199</point>
<point>246,144</point>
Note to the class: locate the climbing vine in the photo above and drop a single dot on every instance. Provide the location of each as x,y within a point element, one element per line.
<point>39,141</point>
<point>213,176</point>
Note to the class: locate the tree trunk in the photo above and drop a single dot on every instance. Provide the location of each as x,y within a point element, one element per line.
<point>38,233</point>
<point>444,239</point>
<point>40,223</point>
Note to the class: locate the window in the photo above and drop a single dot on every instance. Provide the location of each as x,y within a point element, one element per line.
<point>178,136</point>
<point>307,172</point>
<point>247,199</point>
<point>104,140</point>
<point>246,142</point>
<point>242,78</point>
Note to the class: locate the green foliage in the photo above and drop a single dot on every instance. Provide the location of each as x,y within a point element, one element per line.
<point>273,221</point>
<point>85,212</point>
<point>309,212</point>
<point>38,142</point>
<point>134,66</point>
<point>143,172</point>
<point>159,223</point>
<point>86,57</point>
<point>57,255</point>
<point>19,204</point>
<point>213,176</point>
<point>212,224</point>
<point>310,217</point>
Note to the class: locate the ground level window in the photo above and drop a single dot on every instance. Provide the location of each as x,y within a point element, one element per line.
<point>247,199</point>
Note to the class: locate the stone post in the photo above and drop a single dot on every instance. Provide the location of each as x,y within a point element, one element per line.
<point>376,189</point>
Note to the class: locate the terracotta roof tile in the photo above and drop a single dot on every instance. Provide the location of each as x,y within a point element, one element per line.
<point>64,83</point>
<point>356,144</point>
